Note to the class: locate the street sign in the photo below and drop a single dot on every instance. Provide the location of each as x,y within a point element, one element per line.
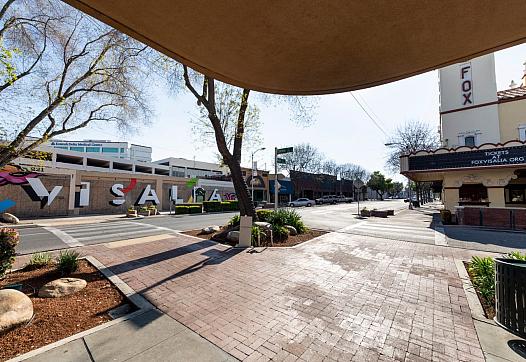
<point>281,160</point>
<point>358,183</point>
<point>281,151</point>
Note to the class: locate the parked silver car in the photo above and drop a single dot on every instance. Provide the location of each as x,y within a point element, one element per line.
<point>302,202</point>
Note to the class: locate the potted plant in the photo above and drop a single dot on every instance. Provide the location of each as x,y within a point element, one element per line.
<point>445,216</point>
<point>131,212</point>
<point>365,212</point>
<point>153,210</point>
<point>143,211</point>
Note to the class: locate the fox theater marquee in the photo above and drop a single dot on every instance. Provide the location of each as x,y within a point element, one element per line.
<point>481,163</point>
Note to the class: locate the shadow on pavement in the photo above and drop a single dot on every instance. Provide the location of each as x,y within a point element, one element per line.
<point>165,255</point>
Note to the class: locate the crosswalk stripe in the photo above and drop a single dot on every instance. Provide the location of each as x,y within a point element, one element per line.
<point>113,235</point>
<point>429,233</point>
<point>66,238</point>
<point>388,234</point>
<point>156,227</point>
<point>106,231</point>
<point>110,225</point>
<point>396,226</point>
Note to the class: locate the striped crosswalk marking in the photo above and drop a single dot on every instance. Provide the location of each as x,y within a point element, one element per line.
<point>396,230</point>
<point>78,235</point>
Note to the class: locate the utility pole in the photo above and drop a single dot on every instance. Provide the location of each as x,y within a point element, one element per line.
<point>276,179</point>
<point>254,170</point>
<point>278,151</point>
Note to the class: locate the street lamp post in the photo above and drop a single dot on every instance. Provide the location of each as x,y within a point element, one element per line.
<point>408,180</point>
<point>252,179</point>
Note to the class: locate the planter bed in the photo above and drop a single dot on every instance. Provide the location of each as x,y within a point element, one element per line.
<point>58,318</point>
<point>290,241</point>
<point>487,307</point>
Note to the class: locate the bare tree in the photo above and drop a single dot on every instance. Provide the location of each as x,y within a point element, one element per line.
<point>304,158</point>
<point>354,172</point>
<point>23,39</point>
<point>88,72</point>
<point>205,90</point>
<point>411,137</point>
<point>227,106</point>
<point>330,167</point>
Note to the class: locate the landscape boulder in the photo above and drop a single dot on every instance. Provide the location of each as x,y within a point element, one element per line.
<point>292,230</point>
<point>61,287</point>
<point>210,229</point>
<point>15,309</point>
<point>9,218</point>
<point>263,225</point>
<point>233,236</point>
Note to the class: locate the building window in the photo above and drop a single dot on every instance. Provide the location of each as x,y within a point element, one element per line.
<point>110,150</point>
<point>469,141</point>
<point>62,147</point>
<point>515,194</point>
<point>78,149</point>
<point>522,133</point>
<point>122,150</point>
<point>472,194</point>
<point>92,149</point>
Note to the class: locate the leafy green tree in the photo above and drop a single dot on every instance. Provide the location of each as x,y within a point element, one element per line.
<point>395,188</point>
<point>378,183</point>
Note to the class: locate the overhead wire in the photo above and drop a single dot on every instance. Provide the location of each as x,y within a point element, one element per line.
<point>369,115</point>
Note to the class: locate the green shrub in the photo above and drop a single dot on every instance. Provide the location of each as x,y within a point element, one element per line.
<point>256,234</point>
<point>234,205</point>
<point>39,260</point>
<point>212,206</point>
<point>181,209</point>
<point>483,273</point>
<point>264,215</point>
<point>195,209</point>
<point>68,262</point>
<point>9,239</point>
<point>279,232</point>
<point>234,221</point>
<point>290,217</point>
<point>226,206</point>
<point>516,255</point>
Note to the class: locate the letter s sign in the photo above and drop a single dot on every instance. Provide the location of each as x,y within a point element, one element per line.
<point>116,190</point>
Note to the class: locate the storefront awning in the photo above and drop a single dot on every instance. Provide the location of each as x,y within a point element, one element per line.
<point>315,47</point>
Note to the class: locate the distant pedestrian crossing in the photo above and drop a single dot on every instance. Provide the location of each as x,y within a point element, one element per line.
<point>78,235</point>
<point>395,230</point>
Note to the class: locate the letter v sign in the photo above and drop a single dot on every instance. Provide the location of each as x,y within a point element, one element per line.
<point>41,191</point>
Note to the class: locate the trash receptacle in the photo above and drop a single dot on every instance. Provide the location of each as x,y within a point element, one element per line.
<point>510,295</point>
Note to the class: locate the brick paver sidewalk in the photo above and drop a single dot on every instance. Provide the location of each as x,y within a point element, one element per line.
<point>340,297</point>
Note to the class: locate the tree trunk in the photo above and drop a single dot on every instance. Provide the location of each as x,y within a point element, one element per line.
<point>246,206</point>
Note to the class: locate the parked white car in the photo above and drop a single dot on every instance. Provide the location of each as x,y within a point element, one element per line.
<point>302,202</point>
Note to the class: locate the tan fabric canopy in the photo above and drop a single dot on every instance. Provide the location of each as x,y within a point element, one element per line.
<point>315,47</point>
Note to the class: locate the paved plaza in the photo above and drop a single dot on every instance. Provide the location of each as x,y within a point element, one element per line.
<point>339,297</point>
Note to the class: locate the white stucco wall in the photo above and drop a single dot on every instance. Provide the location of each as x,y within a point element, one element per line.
<point>483,80</point>
<point>481,122</point>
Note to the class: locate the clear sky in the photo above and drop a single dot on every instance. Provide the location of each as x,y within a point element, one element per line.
<point>342,131</point>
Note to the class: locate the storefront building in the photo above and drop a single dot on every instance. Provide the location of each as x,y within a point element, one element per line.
<point>73,183</point>
<point>482,161</point>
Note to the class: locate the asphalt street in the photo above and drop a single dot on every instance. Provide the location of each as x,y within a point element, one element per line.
<point>413,226</point>
<point>36,237</point>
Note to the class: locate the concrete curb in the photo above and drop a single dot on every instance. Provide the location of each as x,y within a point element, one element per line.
<point>140,302</point>
<point>492,338</point>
